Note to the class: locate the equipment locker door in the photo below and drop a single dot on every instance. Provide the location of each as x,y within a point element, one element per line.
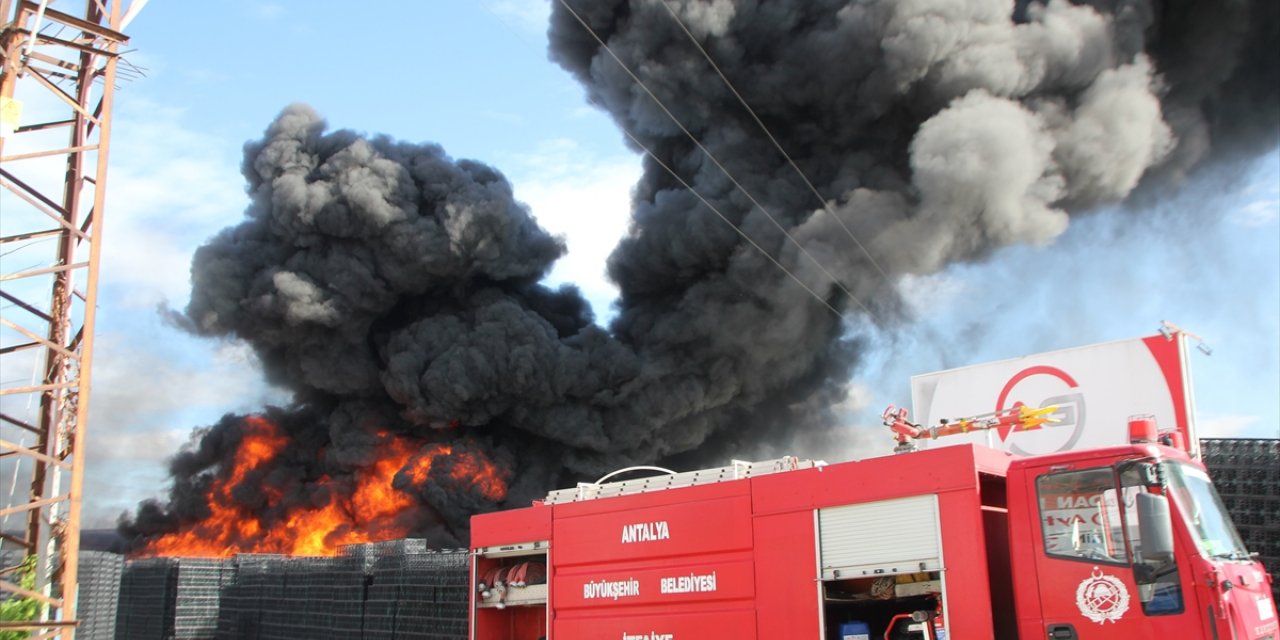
<point>880,538</point>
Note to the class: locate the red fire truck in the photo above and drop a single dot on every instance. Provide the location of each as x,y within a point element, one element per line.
<point>962,542</point>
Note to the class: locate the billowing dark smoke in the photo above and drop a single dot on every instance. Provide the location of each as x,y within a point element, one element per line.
<point>394,289</point>
<point>936,130</point>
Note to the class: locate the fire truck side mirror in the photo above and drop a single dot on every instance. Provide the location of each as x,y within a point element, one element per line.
<point>1155,528</point>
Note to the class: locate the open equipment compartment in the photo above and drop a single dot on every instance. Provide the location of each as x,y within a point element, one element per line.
<point>874,603</point>
<point>510,599</point>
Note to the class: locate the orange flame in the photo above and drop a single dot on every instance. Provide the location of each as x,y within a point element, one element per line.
<point>468,467</point>
<point>370,513</point>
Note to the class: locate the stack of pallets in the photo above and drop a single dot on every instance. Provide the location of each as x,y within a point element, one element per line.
<point>170,598</point>
<point>198,598</point>
<point>146,604</point>
<point>418,596</point>
<point>1247,474</point>
<point>345,598</point>
<point>99,594</point>
<point>323,599</point>
<point>396,590</point>
<point>251,578</point>
<point>439,580</point>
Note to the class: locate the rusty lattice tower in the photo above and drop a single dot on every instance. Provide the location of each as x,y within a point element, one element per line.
<point>59,74</point>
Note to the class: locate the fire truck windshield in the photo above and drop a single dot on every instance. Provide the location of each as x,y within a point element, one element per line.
<point>1203,512</point>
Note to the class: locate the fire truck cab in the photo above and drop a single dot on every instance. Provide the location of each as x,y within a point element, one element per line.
<point>961,541</point>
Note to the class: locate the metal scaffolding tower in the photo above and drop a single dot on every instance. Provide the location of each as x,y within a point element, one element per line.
<point>54,174</point>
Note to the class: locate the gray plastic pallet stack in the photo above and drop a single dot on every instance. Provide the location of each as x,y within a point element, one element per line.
<point>146,602</point>
<point>283,598</point>
<point>396,590</point>
<point>197,598</point>
<point>418,596</point>
<point>1246,472</point>
<point>252,577</point>
<point>99,594</point>
<point>348,582</point>
<point>370,552</point>
<point>438,586</point>
<point>277,622</point>
<point>170,598</point>
<point>322,599</point>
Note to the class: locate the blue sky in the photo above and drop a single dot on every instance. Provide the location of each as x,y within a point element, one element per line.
<point>475,78</point>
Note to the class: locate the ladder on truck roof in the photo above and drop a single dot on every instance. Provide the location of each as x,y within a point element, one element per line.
<point>738,470</point>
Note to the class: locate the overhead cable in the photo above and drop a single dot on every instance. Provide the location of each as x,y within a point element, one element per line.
<point>739,230</point>
<point>821,201</point>
<point>723,170</point>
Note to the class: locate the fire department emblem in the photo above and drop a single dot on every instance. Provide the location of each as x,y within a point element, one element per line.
<point>1102,598</point>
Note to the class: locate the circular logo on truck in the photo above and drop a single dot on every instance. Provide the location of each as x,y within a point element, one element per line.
<point>1102,598</point>
<point>1048,383</point>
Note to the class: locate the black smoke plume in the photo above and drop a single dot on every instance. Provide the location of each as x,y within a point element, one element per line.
<point>393,288</point>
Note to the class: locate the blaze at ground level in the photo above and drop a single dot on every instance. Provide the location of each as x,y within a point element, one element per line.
<point>401,590</point>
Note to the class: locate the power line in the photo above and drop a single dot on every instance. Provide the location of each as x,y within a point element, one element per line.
<point>723,170</point>
<point>738,229</point>
<point>822,201</point>
<point>25,245</point>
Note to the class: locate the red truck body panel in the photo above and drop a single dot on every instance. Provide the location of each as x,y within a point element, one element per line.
<point>516,525</point>
<point>738,558</point>
<point>800,553</point>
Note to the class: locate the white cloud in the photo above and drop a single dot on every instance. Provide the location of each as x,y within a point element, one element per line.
<point>585,111</point>
<point>932,293</point>
<point>529,16</point>
<point>171,188</point>
<point>118,490</point>
<point>235,353</point>
<point>858,398</point>
<point>584,198</point>
<point>1232,426</point>
<point>1260,198</point>
<point>268,10</point>
<point>1258,213</point>
<point>145,446</point>
<point>144,380</point>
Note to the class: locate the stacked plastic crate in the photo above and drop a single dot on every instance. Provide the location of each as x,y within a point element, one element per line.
<point>381,598</point>
<point>99,593</point>
<point>396,590</point>
<point>229,608</point>
<point>420,594</point>
<point>251,577</point>
<point>146,601</point>
<point>272,599</point>
<point>434,605</point>
<point>278,618</point>
<point>200,582</point>
<point>1247,474</point>
<point>383,564</point>
<point>323,599</point>
<point>346,597</point>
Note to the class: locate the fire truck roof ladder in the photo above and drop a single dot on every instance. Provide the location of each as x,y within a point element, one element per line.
<point>738,470</point>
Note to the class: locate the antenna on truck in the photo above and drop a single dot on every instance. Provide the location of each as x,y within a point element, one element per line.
<point>1169,329</point>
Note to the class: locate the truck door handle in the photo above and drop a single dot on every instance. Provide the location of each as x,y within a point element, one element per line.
<point>1062,632</point>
